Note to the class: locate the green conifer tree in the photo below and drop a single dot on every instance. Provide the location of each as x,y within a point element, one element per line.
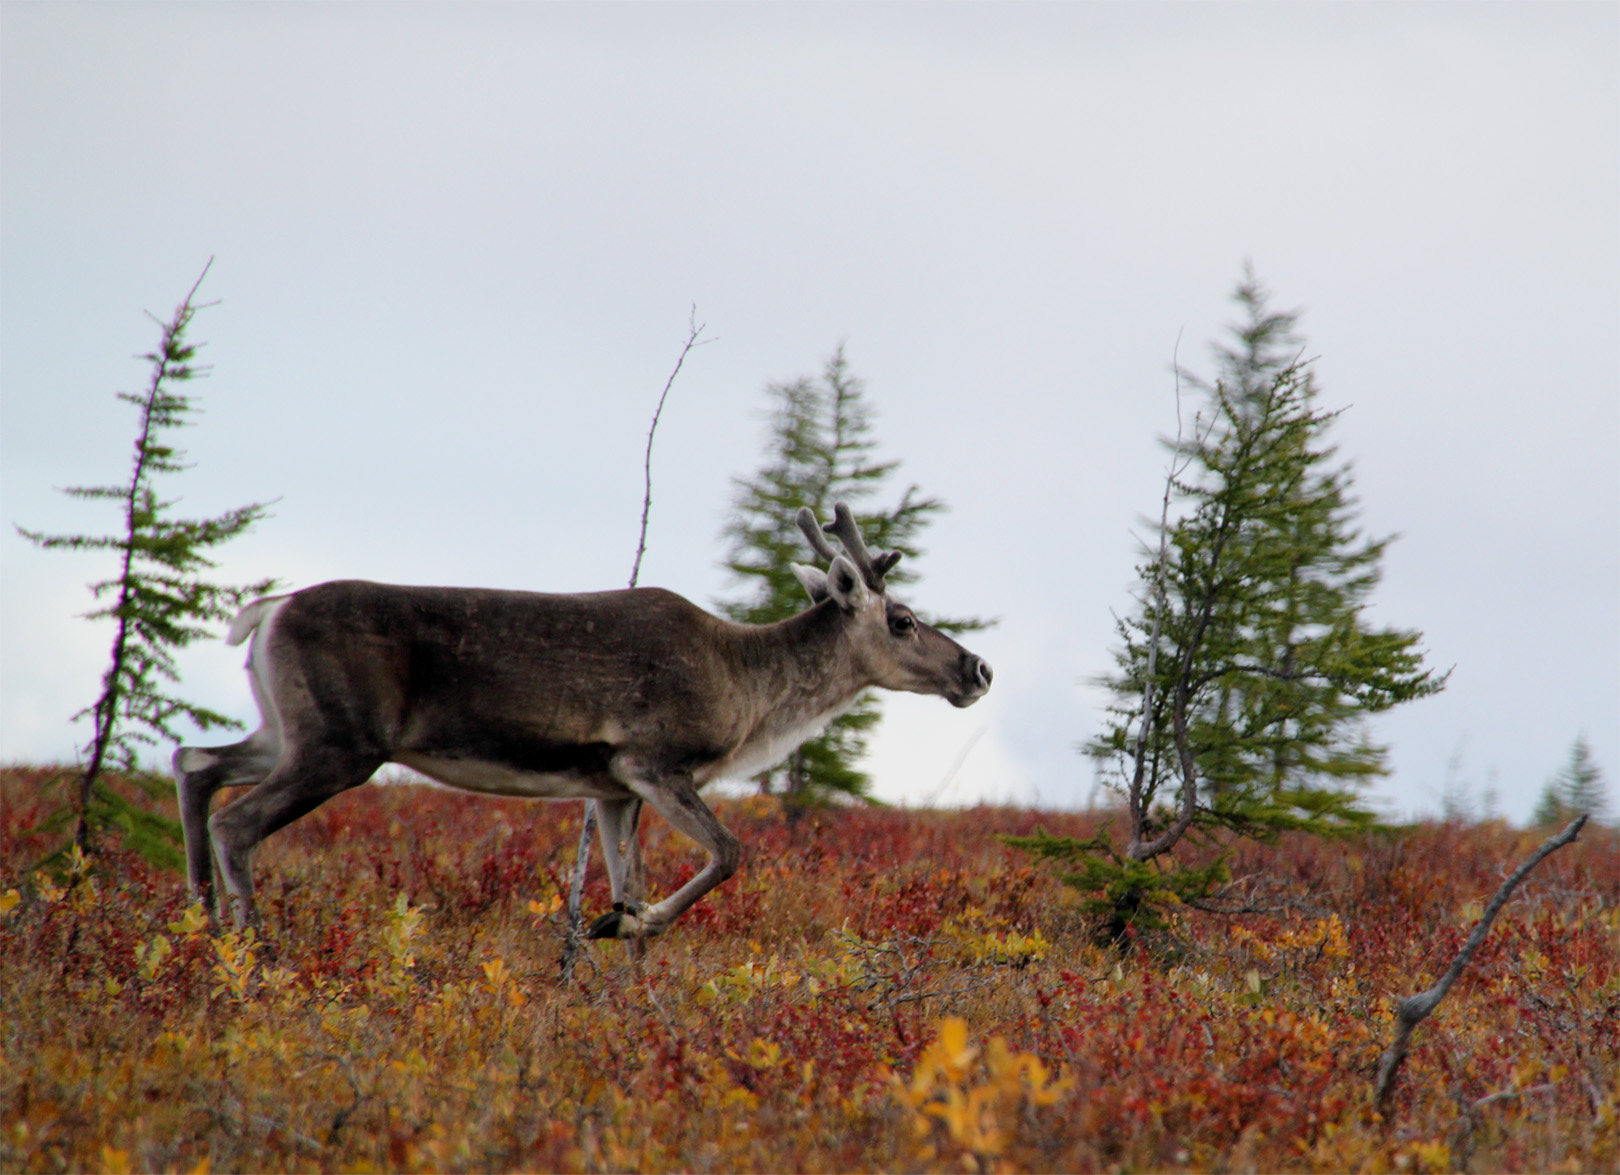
<point>1577,789</point>
<point>1247,666</point>
<point>157,601</point>
<point>820,451</point>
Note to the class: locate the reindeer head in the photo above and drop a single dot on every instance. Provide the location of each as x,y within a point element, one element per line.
<point>890,644</point>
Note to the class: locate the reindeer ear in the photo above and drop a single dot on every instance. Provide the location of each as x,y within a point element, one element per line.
<point>844,584</point>
<point>814,580</point>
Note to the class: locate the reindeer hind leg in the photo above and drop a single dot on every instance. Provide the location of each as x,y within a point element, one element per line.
<point>199,772</point>
<point>621,851</point>
<point>303,780</point>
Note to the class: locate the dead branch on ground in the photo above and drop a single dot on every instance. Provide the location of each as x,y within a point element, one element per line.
<point>1414,1009</point>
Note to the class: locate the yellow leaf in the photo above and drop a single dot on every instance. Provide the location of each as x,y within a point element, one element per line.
<point>1041,1093</point>
<point>192,921</point>
<point>9,900</point>
<point>764,1054</point>
<point>956,1051</point>
<point>1432,1156</point>
<point>982,1136</point>
<point>1004,1067</point>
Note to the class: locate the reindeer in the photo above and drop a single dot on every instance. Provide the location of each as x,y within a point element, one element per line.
<point>620,697</point>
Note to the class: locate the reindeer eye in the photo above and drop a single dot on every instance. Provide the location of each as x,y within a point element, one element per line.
<point>903,625</point>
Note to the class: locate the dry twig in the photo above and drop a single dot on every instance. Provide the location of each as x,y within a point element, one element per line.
<point>1414,1009</point>
<point>576,891</point>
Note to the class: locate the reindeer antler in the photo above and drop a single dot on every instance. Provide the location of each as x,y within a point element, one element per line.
<point>845,529</point>
<point>812,530</point>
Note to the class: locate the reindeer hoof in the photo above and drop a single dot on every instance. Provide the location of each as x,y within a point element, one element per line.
<point>620,922</point>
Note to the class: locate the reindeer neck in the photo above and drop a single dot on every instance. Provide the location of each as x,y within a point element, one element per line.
<point>800,667</point>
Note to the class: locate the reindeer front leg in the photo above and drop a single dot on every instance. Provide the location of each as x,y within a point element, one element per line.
<point>676,799</point>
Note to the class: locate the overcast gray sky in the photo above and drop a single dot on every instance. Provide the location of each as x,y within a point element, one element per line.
<point>456,247</point>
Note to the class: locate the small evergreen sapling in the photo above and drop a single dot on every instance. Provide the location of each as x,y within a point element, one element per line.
<point>1247,666</point>
<point>820,452</point>
<point>157,600</point>
<point>1576,790</point>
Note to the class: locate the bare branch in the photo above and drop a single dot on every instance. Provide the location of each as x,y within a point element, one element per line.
<point>1414,1009</point>
<point>576,893</point>
<point>694,329</point>
<point>1257,893</point>
<point>1135,794</point>
<point>576,889</point>
<point>1507,1095</point>
<point>1138,849</point>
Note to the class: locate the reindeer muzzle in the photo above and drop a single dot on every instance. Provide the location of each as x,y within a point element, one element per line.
<point>976,677</point>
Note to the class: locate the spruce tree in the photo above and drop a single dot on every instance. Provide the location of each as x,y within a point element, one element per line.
<point>1247,665</point>
<point>820,450</point>
<point>157,600</point>
<point>1577,789</point>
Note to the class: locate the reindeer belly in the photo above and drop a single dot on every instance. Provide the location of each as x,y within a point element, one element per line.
<point>566,777</point>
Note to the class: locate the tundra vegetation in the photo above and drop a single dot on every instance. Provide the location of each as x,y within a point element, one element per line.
<point>875,990</point>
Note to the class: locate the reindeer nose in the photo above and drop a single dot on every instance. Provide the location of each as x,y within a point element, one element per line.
<point>980,672</point>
